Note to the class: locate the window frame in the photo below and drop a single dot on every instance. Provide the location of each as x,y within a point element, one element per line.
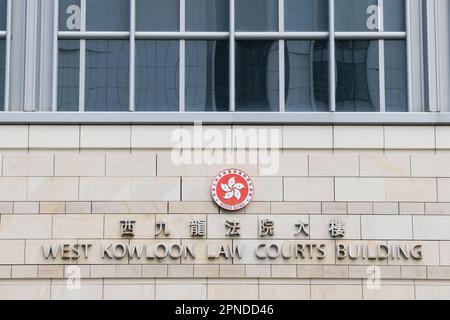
<point>232,36</point>
<point>6,35</point>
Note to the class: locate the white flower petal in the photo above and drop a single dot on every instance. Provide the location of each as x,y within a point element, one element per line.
<point>229,195</point>
<point>237,194</point>
<point>225,187</point>
<point>231,182</point>
<point>239,186</point>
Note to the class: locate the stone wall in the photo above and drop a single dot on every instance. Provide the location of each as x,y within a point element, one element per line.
<point>75,183</point>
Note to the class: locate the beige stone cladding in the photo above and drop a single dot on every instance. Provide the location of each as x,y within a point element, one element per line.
<point>73,185</point>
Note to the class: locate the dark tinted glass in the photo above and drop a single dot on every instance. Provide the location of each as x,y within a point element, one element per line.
<point>356,15</point>
<point>257,15</point>
<point>68,75</point>
<point>157,75</point>
<point>207,15</point>
<point>306,15</point>
<point>257,76</point>
<point>207,75</point>
<point>108,15</point>
<point>395,72</point>
<point>306,76</point>
<point>69,15</point>
<point>394,15</point>
<point>157,15</point>
<point>357,63</point>
<point>107,75</point>
<point>2,73</point>
<point>3,13</point>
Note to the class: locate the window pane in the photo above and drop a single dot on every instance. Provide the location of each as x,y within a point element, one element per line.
<point>157,15</point>
<point>395,72</point>
<point>306,15</point>
<point>108,15</point>
<point>356,15</point>
<point>257,76</point>
<point>358,88</point>
<point>394,15</point>
<point>257,15</point>
<point>68,75</point>
<point>107,75</point>
<point>207,15</point>
<point>3,13</point>
<point>69,15</point>
<point>2,73</point>
<point>307,76</point>
<point>157,75</point>
<point>207,75</point>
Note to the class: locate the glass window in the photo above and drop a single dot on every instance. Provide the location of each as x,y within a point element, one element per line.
<point>357,63</point>
<point>257,15</point>
<point>108,15</point>
<point>395,76</point>
<point>68,75</point>
<point>356,15</point>
<point>69,15</point>
<point>107,75</point>
<point>157,75</point>
<point>306,15</point>
<point>306,75</point>
<point>257,76</point>
<point>207,15</point>
<point>3,11</point>
<point>2,73</point>
<point>394,15</point>
<point>207,75</point>
<point>157,15</point>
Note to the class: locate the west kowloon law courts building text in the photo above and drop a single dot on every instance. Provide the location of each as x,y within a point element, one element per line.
<point>225,149</point>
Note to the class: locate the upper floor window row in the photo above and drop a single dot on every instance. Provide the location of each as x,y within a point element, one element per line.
<point>214,15</point>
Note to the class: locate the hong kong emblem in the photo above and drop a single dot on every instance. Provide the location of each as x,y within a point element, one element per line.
<point>232,189</point>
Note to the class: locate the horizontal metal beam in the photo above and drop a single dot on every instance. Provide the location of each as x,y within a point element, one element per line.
<point>226,35</point>
<point>257,118</point>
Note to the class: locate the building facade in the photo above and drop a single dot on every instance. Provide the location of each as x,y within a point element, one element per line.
<point>118,115</point>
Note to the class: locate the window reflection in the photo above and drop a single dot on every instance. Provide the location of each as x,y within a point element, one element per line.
<point>257,15</point>
<point>157,75</point>
<point>3,6</point>
<point>395,71</point>
<point>69,15</point>
<point>107,75</point>
<point>207,15</point>
<point>207,75</point>
<point>108,15</point>
<point>306,15</point>
<point>157,15</point>
<point>257,76</point>
<point>356,15</point>
<point>357,76</point>
<point>394,15</point>
<point>68,75</point>
<point>306,76</point>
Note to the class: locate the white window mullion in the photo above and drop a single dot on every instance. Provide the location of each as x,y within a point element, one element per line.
<point>331,58</point>
<point>232,58</point>
<point>82,58</point>
<point>182,66</point>
<point>282,82</point>
<point>132,55</point>
<point>55,56</point>
<point>8,53</point>
<point>409,55</point>
<point>381,59</point>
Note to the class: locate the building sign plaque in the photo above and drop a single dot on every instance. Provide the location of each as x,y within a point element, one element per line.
<point>232,189</point>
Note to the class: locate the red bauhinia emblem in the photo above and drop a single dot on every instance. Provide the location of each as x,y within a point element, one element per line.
<point>232,189</point>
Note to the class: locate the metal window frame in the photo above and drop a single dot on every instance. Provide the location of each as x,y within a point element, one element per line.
<point>233,36</point>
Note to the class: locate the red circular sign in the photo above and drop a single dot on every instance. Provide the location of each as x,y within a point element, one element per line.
<point>232,189</point>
